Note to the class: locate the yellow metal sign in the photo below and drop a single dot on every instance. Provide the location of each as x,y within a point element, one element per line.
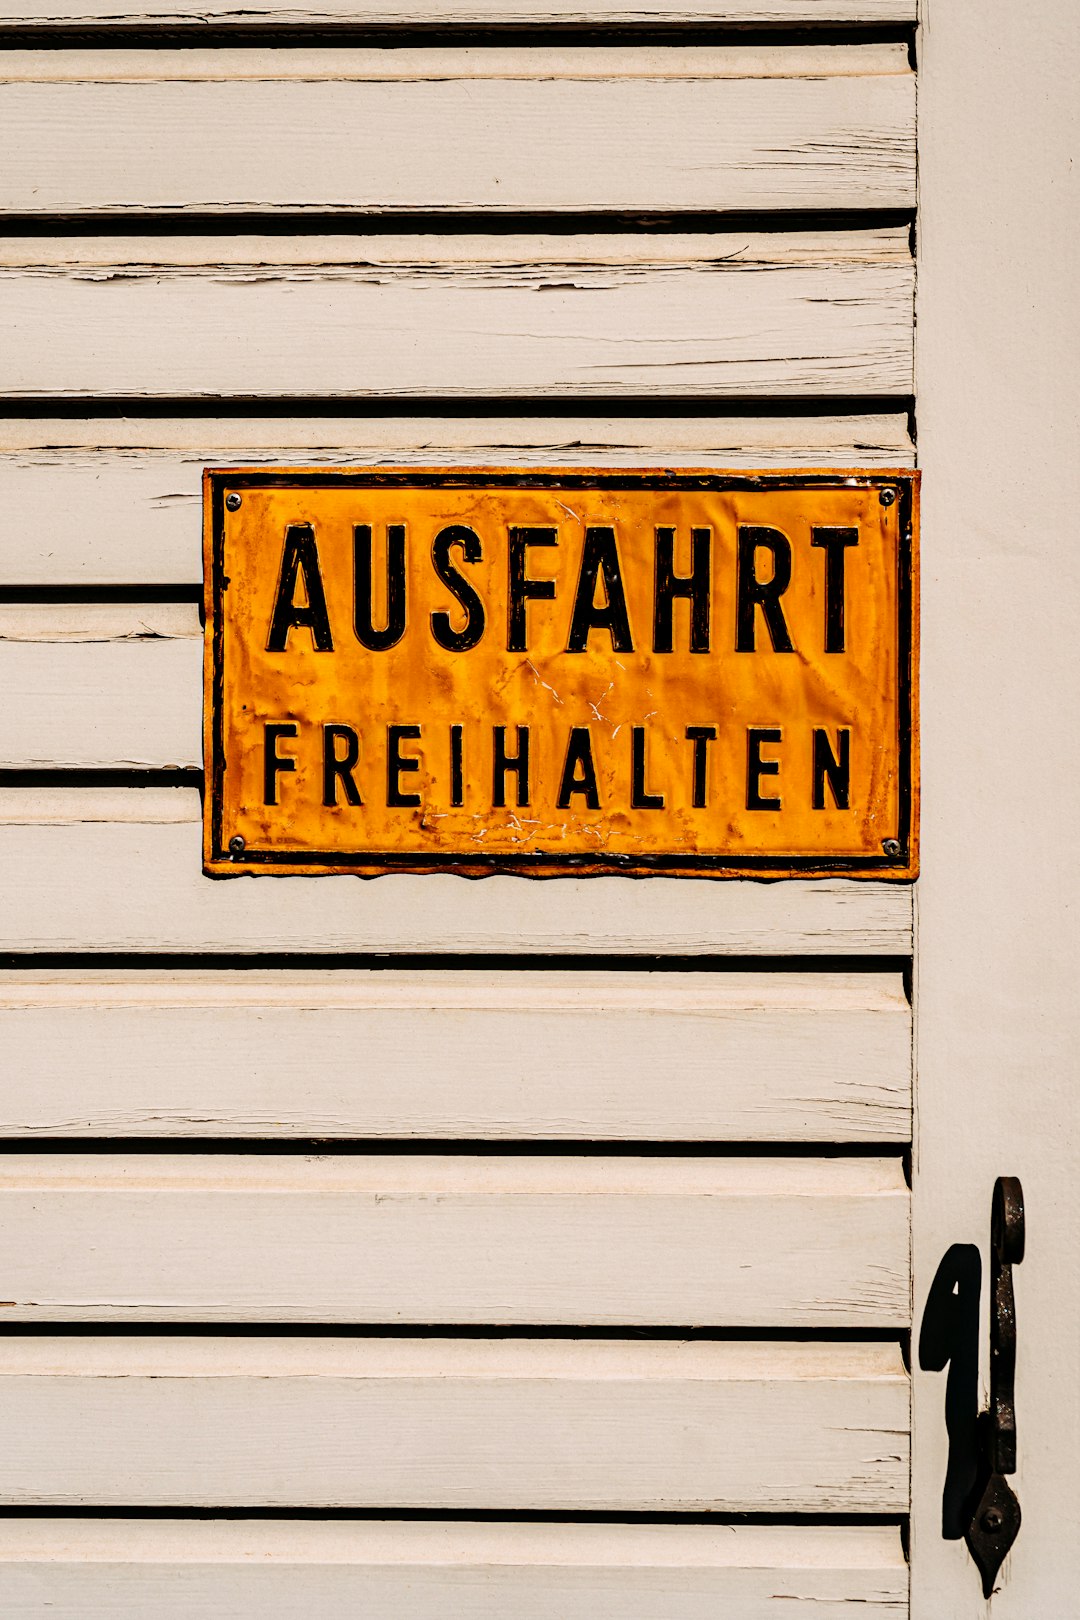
<point>560,672</point>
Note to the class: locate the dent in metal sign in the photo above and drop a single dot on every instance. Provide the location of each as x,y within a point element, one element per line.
<point>560,672</point>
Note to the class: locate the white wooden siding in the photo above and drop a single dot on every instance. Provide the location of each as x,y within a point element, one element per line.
<point>393,317</point>
<point>455,1239</point>
<point>491,130</point>
<point>99,685</point>
<point>135,485</point>
<point>85,869</point>
<point>389,1242</point>
<point>554,1424</point>
<point>449,13</point>
<point>74,1569</point>
<point>411,64</point>
<point>527,1055</point>
<point>103,686</point>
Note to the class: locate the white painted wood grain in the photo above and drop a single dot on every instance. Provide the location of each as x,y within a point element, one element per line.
<point>570,440</point>
<point>397,1423</point>
<point>460,1238</point>
<point>999,417</point>
<point>411,64</point>
<point>593,1056</point>
<point>120,870</point>
<point>381,317</point>
<point>237,254</point>
<point>493,130</point>
<point>100,685</point>
<point>135,484</point>
<point>99,1569</point>
<point>449,13</point>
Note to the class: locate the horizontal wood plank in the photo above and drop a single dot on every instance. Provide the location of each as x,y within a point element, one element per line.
<point>136,484</point>
<point>532,129</point>
<point>564,1425</point>
<point>455,1239</point>
<point>387,317</point>
<point>101,686</point>
<point>107,14</point>
<point>407,63</point>
<point>462,1055</point>
<point>97,1569</point>
<point>120,870</point>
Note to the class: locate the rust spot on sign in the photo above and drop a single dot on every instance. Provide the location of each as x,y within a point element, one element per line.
<point>555,672</point>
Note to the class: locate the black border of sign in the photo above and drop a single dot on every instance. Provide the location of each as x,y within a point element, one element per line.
<point>591,862</point>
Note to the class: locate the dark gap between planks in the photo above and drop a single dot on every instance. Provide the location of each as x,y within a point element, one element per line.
<point>460,1515</point>
<point>356,222</point>
<point>212,407</point>
<point>463,961</point>
<point>168,35</point>
<point>223,1329</point>
<point>440,1147</point>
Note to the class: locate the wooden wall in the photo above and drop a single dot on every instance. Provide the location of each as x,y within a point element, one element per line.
<point>418,1246</point>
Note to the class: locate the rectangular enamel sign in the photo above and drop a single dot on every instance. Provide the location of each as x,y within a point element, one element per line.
<point>560,672</point>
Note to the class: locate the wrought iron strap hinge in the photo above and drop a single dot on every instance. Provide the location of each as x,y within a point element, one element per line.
<point>995,1522</point>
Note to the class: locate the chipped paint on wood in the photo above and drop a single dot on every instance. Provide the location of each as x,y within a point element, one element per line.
<point>464,316</point>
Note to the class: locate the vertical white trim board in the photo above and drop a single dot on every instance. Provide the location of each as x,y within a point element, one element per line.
<point>997,1012</point>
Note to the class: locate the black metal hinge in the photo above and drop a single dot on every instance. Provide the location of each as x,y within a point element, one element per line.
<point>995,1523</point>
